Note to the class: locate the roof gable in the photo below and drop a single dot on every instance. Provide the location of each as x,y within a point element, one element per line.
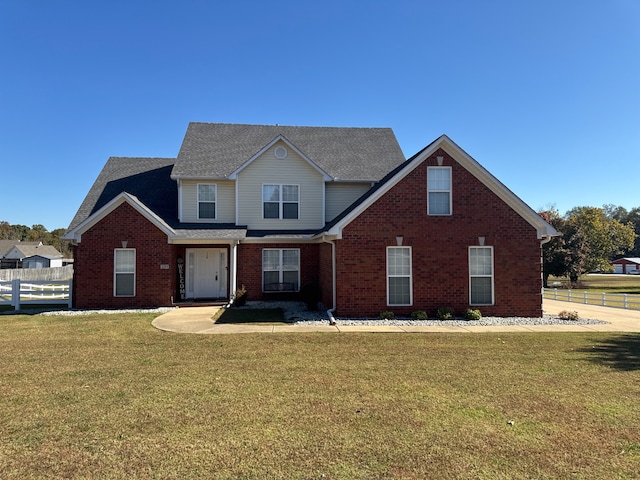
<point>76,232</point>
<point>543,229</point>
<point>279,138</point>
<point>217,150</point>
<point>142,178</point>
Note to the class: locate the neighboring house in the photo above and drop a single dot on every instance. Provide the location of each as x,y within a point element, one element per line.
<point>32,255</point>
<point>626,265</point>
<point>289,211</point>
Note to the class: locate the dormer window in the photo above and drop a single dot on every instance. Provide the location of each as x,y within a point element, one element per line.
<point>281,201</point>
<point>206,201</point>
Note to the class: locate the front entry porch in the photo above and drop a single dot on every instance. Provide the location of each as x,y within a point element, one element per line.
<point>206,275</point>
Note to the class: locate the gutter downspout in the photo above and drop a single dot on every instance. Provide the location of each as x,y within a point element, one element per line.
<point>332,320</point>
<point>234,272</point>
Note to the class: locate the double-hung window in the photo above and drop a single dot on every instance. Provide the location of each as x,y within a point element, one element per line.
<point>280,269</point>
<point>206,201</point>
<point>399,276</point>
<point>124,272</point>
<point>481,276</point>
<point>439,190</point>
<point>280,201</point>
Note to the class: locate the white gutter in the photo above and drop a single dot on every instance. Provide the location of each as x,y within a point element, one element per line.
<point>332,320</point>
<point>234,272</point>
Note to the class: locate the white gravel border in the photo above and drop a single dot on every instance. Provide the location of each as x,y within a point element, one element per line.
<point>297,313</point>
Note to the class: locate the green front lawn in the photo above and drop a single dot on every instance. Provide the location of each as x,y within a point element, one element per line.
<point>108,396</point>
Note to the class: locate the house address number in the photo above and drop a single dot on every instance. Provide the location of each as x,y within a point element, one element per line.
<point>164,266</point>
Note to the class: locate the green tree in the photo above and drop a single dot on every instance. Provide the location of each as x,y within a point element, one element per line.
<point>7,232</point>
<point>564,255</point>
<point>604,237</point>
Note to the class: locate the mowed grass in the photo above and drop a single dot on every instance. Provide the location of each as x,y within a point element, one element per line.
<point>108,396</point>
<point>604,283</point>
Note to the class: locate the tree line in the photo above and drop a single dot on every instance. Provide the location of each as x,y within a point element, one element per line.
<point>37,233</point>
<point>591,238</point>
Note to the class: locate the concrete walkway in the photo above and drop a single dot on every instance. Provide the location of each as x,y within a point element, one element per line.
<point>198,320</point>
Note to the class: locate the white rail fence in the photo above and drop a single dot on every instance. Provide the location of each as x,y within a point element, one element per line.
<point>47,292</point>
<point>618,300</point>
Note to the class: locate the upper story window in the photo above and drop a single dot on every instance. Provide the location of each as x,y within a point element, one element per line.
<point>207,201</point>
<point>439,190</point>
<point>281,201</point>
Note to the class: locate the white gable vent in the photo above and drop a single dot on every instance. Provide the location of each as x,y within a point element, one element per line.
<point>280,152</point>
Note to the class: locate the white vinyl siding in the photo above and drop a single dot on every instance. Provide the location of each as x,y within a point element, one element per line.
<point>481,276</point>
<point>439,190</point>
<point>124,272</point>
<point>339,195</point>
<point>225,201</point>
<point>291,170</point>
<point>399,288</point>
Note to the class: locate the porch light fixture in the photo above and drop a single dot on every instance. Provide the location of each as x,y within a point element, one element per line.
<point>399,241</point>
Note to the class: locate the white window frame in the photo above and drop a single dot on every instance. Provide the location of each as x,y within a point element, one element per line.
<point>482,275</point>
<point>280,268</point>
<point>215,200</point>
<point>281,202</point>
<point>117,271</point>
<point>401,275</point>
<point>447,191</point>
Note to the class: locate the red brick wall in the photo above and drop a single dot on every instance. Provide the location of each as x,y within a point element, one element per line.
<point>439,249</point>
<point>93,282</point>
<point>250,268</point>
<point>326,274</point>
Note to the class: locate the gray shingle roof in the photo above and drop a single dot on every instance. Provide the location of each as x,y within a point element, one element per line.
<point>217,149</point>
<point>46,251</point>
<point>143,177</point>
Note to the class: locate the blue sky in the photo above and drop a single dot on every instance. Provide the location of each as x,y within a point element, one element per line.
<point>544,94</point>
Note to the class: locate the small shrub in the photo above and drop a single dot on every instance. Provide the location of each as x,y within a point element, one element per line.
<point>240,297</point>
<point>445,313</point>
<point>472,314</point>
<point>387,315</point>
<point>568,315</point>
<point>419,315</point>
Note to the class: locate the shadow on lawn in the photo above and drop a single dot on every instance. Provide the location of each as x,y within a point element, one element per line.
<point>620,352</point>
<point>252,315</point>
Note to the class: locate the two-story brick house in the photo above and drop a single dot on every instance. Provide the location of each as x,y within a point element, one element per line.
<point>282,210</point>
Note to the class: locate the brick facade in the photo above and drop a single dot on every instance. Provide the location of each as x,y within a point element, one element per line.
<point>250,269</point>
<point>94,257</point>
<point>439,249</point>
<point>439,245</point>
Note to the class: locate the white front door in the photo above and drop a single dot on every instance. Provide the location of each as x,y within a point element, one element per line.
<point>206,273</point>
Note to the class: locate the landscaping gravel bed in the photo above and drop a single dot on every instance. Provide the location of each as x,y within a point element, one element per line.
<point>297,312</point>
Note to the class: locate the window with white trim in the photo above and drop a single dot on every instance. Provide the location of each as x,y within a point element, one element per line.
<point>481,276</point>
<point>207,193</point>
<point>439,190</point>
<point>399,276</point>
<point>124,272</point>
<point>281,201</point>
<point>280,269</point>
